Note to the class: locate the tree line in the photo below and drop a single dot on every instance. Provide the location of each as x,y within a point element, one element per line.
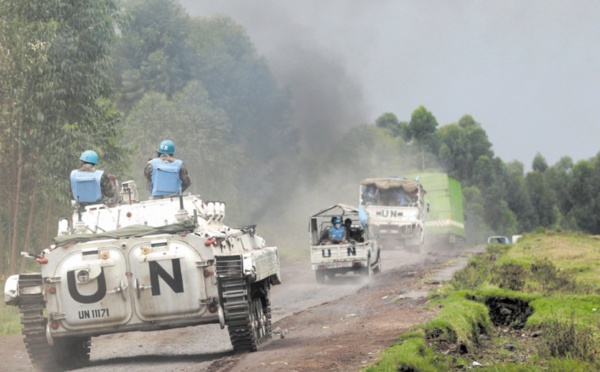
<point>119,76</point>
<point>501,197</point>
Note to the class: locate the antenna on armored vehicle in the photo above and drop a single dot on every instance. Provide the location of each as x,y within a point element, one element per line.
<point>129,195</point>
<point>79,225</point>
<point>181,214</point>
<point>78,205</point>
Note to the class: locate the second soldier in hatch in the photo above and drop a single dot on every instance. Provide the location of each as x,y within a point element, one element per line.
<point>90,185</point>
<point>166,175</point>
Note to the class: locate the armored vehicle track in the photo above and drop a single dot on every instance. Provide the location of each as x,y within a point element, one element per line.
<point>246,307</point>
<point>66,353</point>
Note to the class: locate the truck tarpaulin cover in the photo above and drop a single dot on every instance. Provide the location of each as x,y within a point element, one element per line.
<point>390,183</point>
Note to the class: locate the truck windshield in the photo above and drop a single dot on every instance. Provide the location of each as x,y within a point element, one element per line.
<point>395,196</point>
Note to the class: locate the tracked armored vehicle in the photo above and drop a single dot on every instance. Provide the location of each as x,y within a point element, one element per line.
<point>144,266</point>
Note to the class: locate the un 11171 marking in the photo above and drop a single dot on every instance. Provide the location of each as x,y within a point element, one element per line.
<point>95,313</point>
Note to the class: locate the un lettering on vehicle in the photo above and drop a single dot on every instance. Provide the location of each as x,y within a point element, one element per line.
<point>111,297</point>
<point>389,213</point>
<point>164,287</point>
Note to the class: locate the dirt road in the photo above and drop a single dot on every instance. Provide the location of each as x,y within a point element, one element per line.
<point>340,325</point>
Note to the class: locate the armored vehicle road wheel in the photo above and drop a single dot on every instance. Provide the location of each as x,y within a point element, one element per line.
<point>66,353</point>
<point>259,320</point>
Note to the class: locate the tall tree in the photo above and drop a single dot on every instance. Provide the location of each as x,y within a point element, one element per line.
<point>517,197</point>
<point>240,81</point>
<point>58,55</point>
<point>539,163</point>
<point>558,177</point>
<point>460,145</point>
<point>543,198</point>
<point>154,52</point>
<point>584,194</point>
<point>475,226</point>
<point>389,121</point>
<point>422,125</point>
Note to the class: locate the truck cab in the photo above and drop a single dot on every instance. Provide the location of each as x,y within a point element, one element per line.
<point>396,210</point>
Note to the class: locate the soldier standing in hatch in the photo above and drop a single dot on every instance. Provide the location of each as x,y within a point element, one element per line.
<point>166,175</point>
<point>90,185</point>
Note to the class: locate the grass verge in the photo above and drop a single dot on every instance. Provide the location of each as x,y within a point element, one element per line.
<point>10,323</point>
<point>532,306</point>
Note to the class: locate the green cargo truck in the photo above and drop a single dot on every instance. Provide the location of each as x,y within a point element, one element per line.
<point>445,223</point>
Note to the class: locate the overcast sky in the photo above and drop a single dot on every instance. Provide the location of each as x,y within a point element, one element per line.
<point>527,71</point>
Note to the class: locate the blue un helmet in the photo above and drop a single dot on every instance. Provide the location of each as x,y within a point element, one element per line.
<point>336,220</point>
<point>89,156</point>
<point>166,147</point>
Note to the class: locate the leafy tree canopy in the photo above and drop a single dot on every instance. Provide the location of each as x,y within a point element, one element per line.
<point>539,163</point>
<point>389,121</point>
<point>422,124</point>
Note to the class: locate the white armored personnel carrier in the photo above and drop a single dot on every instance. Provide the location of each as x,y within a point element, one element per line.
<point>144,266</point>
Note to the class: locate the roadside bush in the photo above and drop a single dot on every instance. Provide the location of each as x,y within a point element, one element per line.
<point>551,279</point>
<point>496,250</point>
<point>474,274</point>
<point>510,276</point>
<point>567,339</point>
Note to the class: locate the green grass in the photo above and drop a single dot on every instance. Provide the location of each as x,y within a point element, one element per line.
<point>9,320</point>
<point>460,321</point>
<point>545,284</point>
<point>586,309</point>
<point>574,253</point>
<point>410,354</point>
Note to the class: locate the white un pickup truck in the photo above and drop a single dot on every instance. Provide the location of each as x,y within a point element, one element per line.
<point>356,252</point>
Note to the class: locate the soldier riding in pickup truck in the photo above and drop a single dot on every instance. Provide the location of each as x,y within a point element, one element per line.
<point>339,249</point>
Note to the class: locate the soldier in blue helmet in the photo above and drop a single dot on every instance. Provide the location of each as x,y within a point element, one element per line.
<point>337,232</point>
<point>90,185</point>
<point>166,175</point>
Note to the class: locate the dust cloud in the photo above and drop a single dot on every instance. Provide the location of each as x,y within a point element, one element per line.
<point>327,101</point>
<point>522,69</point>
